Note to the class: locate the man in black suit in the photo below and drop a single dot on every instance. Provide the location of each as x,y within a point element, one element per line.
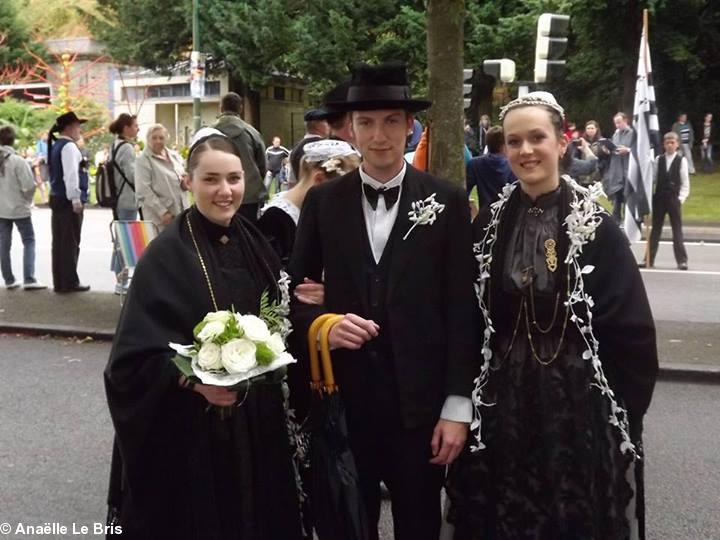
<point>405,354</point>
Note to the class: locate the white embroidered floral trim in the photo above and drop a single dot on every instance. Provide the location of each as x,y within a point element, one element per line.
<point>581,223</point>
<point>424,212</point>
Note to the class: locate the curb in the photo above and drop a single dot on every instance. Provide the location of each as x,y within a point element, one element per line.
<point>695,373</point>
<point>98,334</point>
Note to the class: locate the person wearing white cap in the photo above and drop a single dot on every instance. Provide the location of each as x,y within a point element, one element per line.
<point>322,160</point>
<point>569,356</point>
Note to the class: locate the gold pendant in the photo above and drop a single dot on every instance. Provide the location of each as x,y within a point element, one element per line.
<point>550,255</point>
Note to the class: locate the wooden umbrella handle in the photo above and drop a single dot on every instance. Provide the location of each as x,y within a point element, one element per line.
<point>328,372</point>
<point>316,378</point>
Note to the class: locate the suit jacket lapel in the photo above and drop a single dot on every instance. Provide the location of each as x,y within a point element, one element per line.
<point>353,237</point>
<point>403,250</point>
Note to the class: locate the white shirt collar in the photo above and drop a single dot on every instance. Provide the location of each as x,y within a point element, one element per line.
<point>670,157</point>
<point>394,181</point>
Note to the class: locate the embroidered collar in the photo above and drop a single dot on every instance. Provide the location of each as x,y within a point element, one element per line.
<point>282,203</point>
<point>580,225</point>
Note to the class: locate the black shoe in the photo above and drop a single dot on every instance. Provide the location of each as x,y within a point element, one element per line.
<point>76,288</point>
<point>683,266</point>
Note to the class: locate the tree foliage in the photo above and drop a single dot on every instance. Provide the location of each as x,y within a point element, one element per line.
<point>15,35</point>
<point>318,40</point>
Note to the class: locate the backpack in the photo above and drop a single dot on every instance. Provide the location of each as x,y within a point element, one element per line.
<point>106,191</point>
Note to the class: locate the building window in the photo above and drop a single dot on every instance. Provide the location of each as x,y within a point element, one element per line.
<point>279,93</point>
<point>133,93</point>
<point>212,88</point>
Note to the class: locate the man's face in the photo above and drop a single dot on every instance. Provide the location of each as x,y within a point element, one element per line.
<point>276,141</point>
<point>682,118</point>
<point>708,117</point>
<point>620,122</point>
<point>380,136</point>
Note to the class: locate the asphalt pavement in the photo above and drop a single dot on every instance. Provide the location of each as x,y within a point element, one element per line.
<point>56,434</point>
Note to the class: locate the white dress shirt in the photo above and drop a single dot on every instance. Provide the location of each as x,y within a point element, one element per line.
<point>379,224</point>
<point>71,158</point>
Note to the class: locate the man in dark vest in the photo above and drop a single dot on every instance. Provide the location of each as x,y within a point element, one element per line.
<point>68,196</point>
<point>252,152</point>
<point>406,352</point>
<point>672,187</point>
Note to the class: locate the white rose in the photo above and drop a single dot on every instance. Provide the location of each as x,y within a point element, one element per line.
<point>238,355</point>
<point>276,344</point>
<point>254,327</point>
<point>211,330</point>
<point>218,316</point>
<point>209,356</point>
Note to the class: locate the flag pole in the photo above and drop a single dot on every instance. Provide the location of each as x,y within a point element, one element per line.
<point>648,222</point>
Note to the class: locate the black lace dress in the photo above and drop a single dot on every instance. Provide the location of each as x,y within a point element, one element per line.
<point>552,468</point>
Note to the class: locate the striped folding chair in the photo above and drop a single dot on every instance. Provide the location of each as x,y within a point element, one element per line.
<point>130,238</point>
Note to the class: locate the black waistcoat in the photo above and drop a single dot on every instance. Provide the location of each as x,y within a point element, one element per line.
<point>668,181</point>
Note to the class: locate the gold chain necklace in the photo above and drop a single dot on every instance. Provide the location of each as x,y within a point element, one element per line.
<point>202,262</point>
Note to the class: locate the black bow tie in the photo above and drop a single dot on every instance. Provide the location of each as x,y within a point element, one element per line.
<point>389,194</point>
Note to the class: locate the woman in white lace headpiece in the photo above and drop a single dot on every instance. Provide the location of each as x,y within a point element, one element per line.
<point>569,356</point>
<point>323,160</point>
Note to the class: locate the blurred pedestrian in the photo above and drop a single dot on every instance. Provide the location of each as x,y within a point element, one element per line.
<point>122,158</point>
<point>17,187</point>
<point>490,172</point>
<point>274,155</point>
<point>159,177</point>
<point>615,177</point>
<point>687,139</point>
<point>316,128</point>
<point>708,134</point>
<point>68,197</point>
<point>252,152</point>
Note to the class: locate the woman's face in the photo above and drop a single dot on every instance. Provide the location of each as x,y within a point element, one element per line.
<point>590,131</point>
<point>131,131</point>
<point>533,149</point>
<point>157,141</point>
<point>217,184</point>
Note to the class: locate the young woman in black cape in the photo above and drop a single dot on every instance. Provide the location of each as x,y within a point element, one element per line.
<point>569,356</point>
<point>187,472</point>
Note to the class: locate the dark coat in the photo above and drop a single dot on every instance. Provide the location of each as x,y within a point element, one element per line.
<point>432,312</point>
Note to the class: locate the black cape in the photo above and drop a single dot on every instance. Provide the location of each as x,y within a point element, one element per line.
<point>186,472</point>
<point>552,467</point>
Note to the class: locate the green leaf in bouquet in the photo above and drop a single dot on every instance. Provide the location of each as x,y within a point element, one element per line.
<point>198,328</point>
<point>184,365</point>
<point>232,331</point>
<point>269,312</point>
<point>263,354</point>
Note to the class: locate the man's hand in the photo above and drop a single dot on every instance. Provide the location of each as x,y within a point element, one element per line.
<point>77,206</point>
<point>352,332</point>
<point>448,441</point>
<point>622,150</point>
<point>310,292</point>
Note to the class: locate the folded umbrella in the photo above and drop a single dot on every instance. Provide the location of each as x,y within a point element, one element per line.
<point>336,502</point>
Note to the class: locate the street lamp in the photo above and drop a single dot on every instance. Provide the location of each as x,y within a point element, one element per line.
<point>197,69</point>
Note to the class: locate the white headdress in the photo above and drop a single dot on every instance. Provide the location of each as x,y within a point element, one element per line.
<point>533,98</point>
<point>327,153</point>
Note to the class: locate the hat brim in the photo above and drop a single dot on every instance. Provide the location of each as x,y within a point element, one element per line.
<point>409,105</point>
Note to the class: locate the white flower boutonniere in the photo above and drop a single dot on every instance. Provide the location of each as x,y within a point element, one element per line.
<point>424,213</point>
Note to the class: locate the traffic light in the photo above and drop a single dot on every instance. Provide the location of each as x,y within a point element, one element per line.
<point>552,31</point>
<point>502,69</point>
<point>467,87</point>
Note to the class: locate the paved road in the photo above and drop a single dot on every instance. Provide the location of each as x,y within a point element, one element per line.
<point>55,439</point>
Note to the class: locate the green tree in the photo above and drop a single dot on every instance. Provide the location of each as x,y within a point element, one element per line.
<point>27,119</point>
<point>15,35</point>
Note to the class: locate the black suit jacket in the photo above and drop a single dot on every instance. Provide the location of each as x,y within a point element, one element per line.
<point>431,304</point>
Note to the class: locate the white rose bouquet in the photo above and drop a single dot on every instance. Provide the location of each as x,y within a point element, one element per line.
<point>230,348</point>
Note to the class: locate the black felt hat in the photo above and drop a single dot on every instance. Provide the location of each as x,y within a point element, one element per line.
<point>68,118</point>
<point>378,87</point>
